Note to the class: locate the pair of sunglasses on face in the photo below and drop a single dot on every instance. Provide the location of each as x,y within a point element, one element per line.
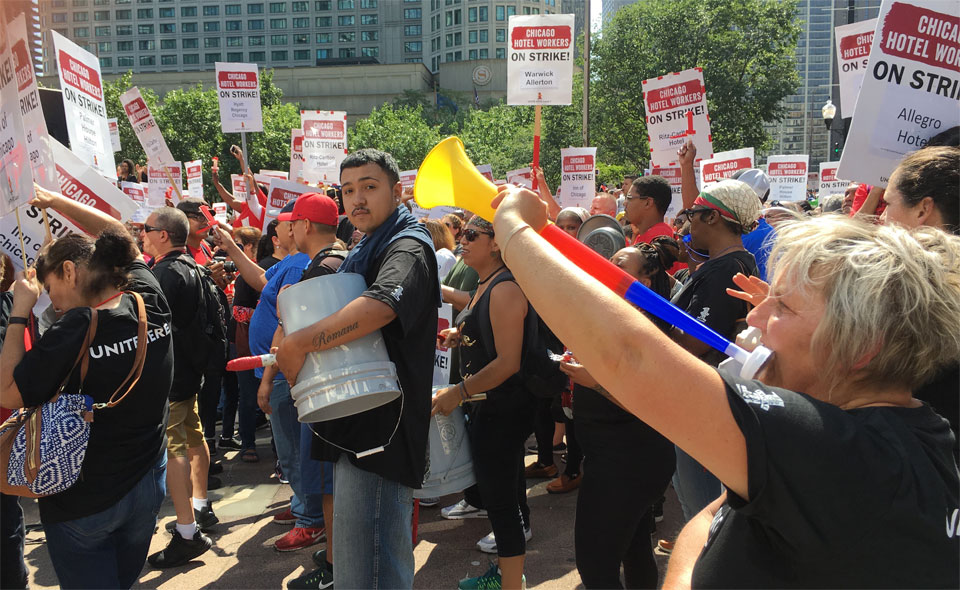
<point>472,234</point>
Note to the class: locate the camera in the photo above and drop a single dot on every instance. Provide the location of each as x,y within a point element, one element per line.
<point>228,265</point>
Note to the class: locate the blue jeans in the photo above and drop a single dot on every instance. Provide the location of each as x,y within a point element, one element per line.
<point>308,508</point>
<point>695,486</point>
<point>107,549</point>
<point>373,523</point>
<point>247,385</point>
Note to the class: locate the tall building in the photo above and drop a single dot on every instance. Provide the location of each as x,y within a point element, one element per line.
<point>185,35</point>
<point>610,8</point>
<point>802,130</point>
<point>455,30</point>
<point>9,9</point>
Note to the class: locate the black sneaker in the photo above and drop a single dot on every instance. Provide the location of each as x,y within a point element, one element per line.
<point>215,469</point>
<point>179,551</point>
<point>212,445</point>
<point>229,443</point>
<point>214,483</point>
<point>204,517</point>
<point>318,578</point>
<point>320,558</point>
<point>658,510</point>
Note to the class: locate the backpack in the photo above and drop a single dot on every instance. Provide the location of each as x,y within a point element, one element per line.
<point>541,375</point>
<point>213,316</point>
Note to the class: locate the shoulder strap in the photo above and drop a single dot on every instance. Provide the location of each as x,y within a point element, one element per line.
<point>83,356</point>
<point>137,369</point>
<point>486,327</point>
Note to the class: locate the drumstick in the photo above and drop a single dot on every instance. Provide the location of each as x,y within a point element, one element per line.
<point>245,363</point>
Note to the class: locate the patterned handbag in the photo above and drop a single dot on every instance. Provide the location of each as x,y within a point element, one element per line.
<point>42,448</point>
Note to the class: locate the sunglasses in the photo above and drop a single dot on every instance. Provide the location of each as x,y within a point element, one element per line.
<point>473,234</point>
<point>631,197</point>
<point>689,213</point>
<point>147,228</point>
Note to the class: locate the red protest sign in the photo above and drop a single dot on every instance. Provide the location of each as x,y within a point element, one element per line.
<point>77,74</point>
<point>554,37</point>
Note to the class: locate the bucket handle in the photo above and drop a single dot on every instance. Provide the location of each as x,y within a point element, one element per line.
<point>373,450</point>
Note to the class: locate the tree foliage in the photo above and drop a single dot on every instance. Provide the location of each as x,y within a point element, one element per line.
<point>401,130</point>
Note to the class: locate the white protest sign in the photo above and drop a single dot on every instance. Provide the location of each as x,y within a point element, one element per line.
<point>145,127</point>
<point>16,174</point>
<point>577,177</point>
<point>265,176</point>
<point>83,105</point>
<point>158,182</point>
<point>324,145</point>
<point>296,153</point>
<point>853,54</point>
<point>788,177</point>
<point>667,100</point>
<point>80,182</point>
<point>672,175</point>
<point>829,183</point>
<point>238,90</point>
<point>33,233</point>
<point>540,60</point>
<point>220,212</point>
<point>441,365</point>
<point>138,194</point>
<point>238,183</point>
<point>910,91</point>
<point>195,178</point>
<point>114,125</point>
<point>522,177</point>
<point>724,164</point>
<point>39,150</point>
<point>282,192</point>
<point>486,170</point>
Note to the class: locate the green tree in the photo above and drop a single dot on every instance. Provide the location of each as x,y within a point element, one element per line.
<point>402,131</point>
<point>745,47</point>
<point>501,136</point>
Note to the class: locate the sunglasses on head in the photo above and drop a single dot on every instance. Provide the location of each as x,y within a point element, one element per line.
<point>473,234</point>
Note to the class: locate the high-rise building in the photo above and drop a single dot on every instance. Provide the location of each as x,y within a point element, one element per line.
<point>9,9</point>
<point>184,35</point>
<point>802,130</point>
<point>610,8</point>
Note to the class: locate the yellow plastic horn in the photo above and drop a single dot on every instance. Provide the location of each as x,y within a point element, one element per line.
<point>448,177</point>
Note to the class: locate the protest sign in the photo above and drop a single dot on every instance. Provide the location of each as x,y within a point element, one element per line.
<point>724,164</point>
<point>441,365</point>
<point>577,176</point>
<point>522,177</point>
<point>31,220</point>
<point>145,127</point>
<point>910,91</point>
<point>238,91</point>
<point>324,145</point>
<point>80,182</point>
<point>83,105</point>
<point>195,178</point>
<point>540,60</point>
<point>220,212</point>
<point>788,177</point>
<point>138,194</point>
<point>280,193</point>
<point>486,170</point>
<point>672,175</point>
<point>667,100</point>
<point>238,183</point>
<point>296,154</point>
<point>39,150</point>
<point>114,126</point>
<point>829,183</point>
<point>16,174</point>
<point>158,182</point>
<point>853,54</point>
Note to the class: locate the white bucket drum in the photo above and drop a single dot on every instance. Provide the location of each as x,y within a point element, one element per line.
<point>344,380</point>
<point>449,463</point>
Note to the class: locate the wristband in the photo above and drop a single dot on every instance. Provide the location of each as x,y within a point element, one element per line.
<point>15,319</point>
<point>513,232</point>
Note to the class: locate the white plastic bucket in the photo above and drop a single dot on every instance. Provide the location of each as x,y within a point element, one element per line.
<point>347,379</point>
<point>450,463</point>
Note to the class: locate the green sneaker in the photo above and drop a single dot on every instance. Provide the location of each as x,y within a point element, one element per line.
<point>317,579</point>
<point>488,581</point>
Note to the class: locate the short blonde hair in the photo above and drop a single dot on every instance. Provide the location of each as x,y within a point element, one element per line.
<point>888,291</point>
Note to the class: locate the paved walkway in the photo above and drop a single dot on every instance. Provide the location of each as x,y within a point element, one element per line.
<point>243,555</point>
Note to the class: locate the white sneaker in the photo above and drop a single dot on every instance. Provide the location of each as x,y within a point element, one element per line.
<point>488,544</point>
<point>461,510</point>
<point>429,502</point>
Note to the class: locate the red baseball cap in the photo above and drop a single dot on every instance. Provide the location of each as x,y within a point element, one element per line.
<point>315,208</point>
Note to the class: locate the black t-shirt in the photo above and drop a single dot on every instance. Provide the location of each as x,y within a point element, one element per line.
<point>705,296</point>
<point>405,278</point>
<point>128,439</point>
<point>943,395</point>
<point>181,285</point>
<point>326,262</point>
<point>864,498</point>
<point>345,229</point>
<point>6,308</point>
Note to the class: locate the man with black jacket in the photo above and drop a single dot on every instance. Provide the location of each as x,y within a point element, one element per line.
<point>164,238</point>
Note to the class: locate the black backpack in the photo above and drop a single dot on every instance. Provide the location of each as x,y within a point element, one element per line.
<point>541,375</point>
<point>213,317</point>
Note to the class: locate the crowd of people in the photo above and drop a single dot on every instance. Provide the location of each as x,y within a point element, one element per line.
<point>836,466</point>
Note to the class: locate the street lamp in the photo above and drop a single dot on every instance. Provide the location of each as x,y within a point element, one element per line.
<point>829,110</point>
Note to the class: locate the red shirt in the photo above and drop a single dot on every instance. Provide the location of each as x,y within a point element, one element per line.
<point>202,255</point>
<point>659,229</point>
<point>860,196</point>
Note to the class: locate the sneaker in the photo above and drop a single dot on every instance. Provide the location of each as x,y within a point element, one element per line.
<point>229,443</point>
<point>461,510</point>
<point>429,502</point>
<point>532,449</point>
<point>488,581</point>
<point>278,471</point>
<point>212,445</point>
<point>299,538</point>
<point>488,544</point>
<point>320,558</point>
<point>538,470</point>
<point>318,578</point>
<point>560,448</point>
<point>563,484</point>
<point>664,547</point>
<point>658,510</point>
<point>179,551</point>
<point>205,519</point>
<point>214,483</point>
<point>215,469</point>
<point>285,517</point>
